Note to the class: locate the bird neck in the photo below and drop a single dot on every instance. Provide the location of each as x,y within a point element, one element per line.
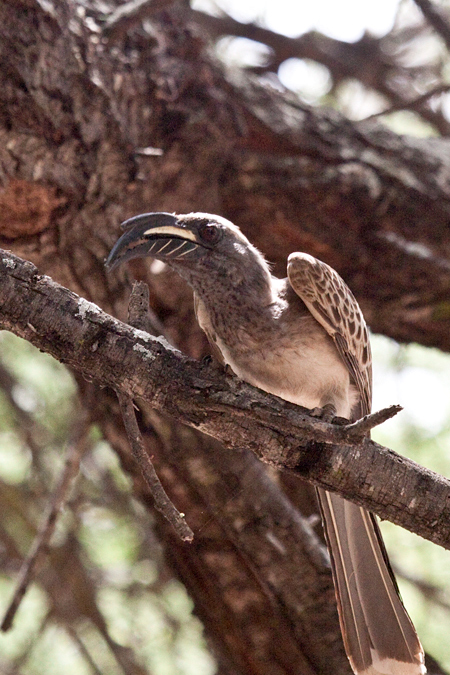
<point>250,287</point>
<point>237,313</point>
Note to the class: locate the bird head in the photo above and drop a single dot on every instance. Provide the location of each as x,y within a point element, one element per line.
<point>199,246</point>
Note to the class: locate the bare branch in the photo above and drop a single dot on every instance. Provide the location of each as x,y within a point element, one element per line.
<point>415,104</point>
<point>29,429</point>
<point>430,591</point>
<point>283,435</point>
<point>162,501</point>
<point>365,60</point>
<point>436,19</point>
<point>83,649</point>
<point>139,317</point>
<point>41,542</point>
<point>361,428</point>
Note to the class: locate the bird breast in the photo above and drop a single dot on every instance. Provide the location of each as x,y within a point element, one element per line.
<point>295,360</point>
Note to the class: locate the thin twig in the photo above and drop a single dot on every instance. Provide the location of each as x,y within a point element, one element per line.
<point>162,501</point>
<point>21,660</point>
<point>83,649</point>
<point>414,103</point>
<point>357,430</point>
<point>29,567</point>
<point>139,317</point>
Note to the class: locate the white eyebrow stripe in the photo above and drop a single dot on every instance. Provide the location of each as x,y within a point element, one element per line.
<point>171,230</point>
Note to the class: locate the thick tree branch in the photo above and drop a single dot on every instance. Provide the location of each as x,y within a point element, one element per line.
<point>204,465</point>
<point>370,60</point>
<point>292,177</point>
<point>113,354</point>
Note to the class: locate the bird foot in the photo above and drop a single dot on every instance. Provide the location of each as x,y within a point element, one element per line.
<point>210,361</point>
<point>327,413</point>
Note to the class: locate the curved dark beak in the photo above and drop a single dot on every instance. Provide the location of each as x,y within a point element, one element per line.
<point>159,235</point>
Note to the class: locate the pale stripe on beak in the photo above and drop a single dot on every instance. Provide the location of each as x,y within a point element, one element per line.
<point>170,230</point>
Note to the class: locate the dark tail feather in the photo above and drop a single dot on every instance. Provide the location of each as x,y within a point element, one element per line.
<point>378,634</point>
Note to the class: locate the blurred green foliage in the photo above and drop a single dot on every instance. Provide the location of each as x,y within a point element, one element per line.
<point>418,379</point>
<point>117,610</point>
<point>103,601</point>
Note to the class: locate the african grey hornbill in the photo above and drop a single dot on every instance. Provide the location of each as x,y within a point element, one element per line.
<point>304,339</point>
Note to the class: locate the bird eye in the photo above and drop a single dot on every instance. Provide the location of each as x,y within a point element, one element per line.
<point>209,234</point>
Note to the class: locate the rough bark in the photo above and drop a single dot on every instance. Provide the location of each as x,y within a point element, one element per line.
<point>95,130</point>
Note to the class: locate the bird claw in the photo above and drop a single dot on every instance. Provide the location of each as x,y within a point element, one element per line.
<point>326,414</point>
<point>210,361</point>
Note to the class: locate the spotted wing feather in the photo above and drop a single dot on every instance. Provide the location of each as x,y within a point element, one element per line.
<point>334,306</point>
<point>379,636</point>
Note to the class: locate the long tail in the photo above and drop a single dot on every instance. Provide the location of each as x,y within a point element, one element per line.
<point>378,634</point>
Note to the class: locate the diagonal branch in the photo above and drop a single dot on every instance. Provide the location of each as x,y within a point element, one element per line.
<point>139,317</point>
<point>28,570</point>
<point>281,434</point>
<point>365,60</point>
<point>162,501</point>
<point>435,18</point>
